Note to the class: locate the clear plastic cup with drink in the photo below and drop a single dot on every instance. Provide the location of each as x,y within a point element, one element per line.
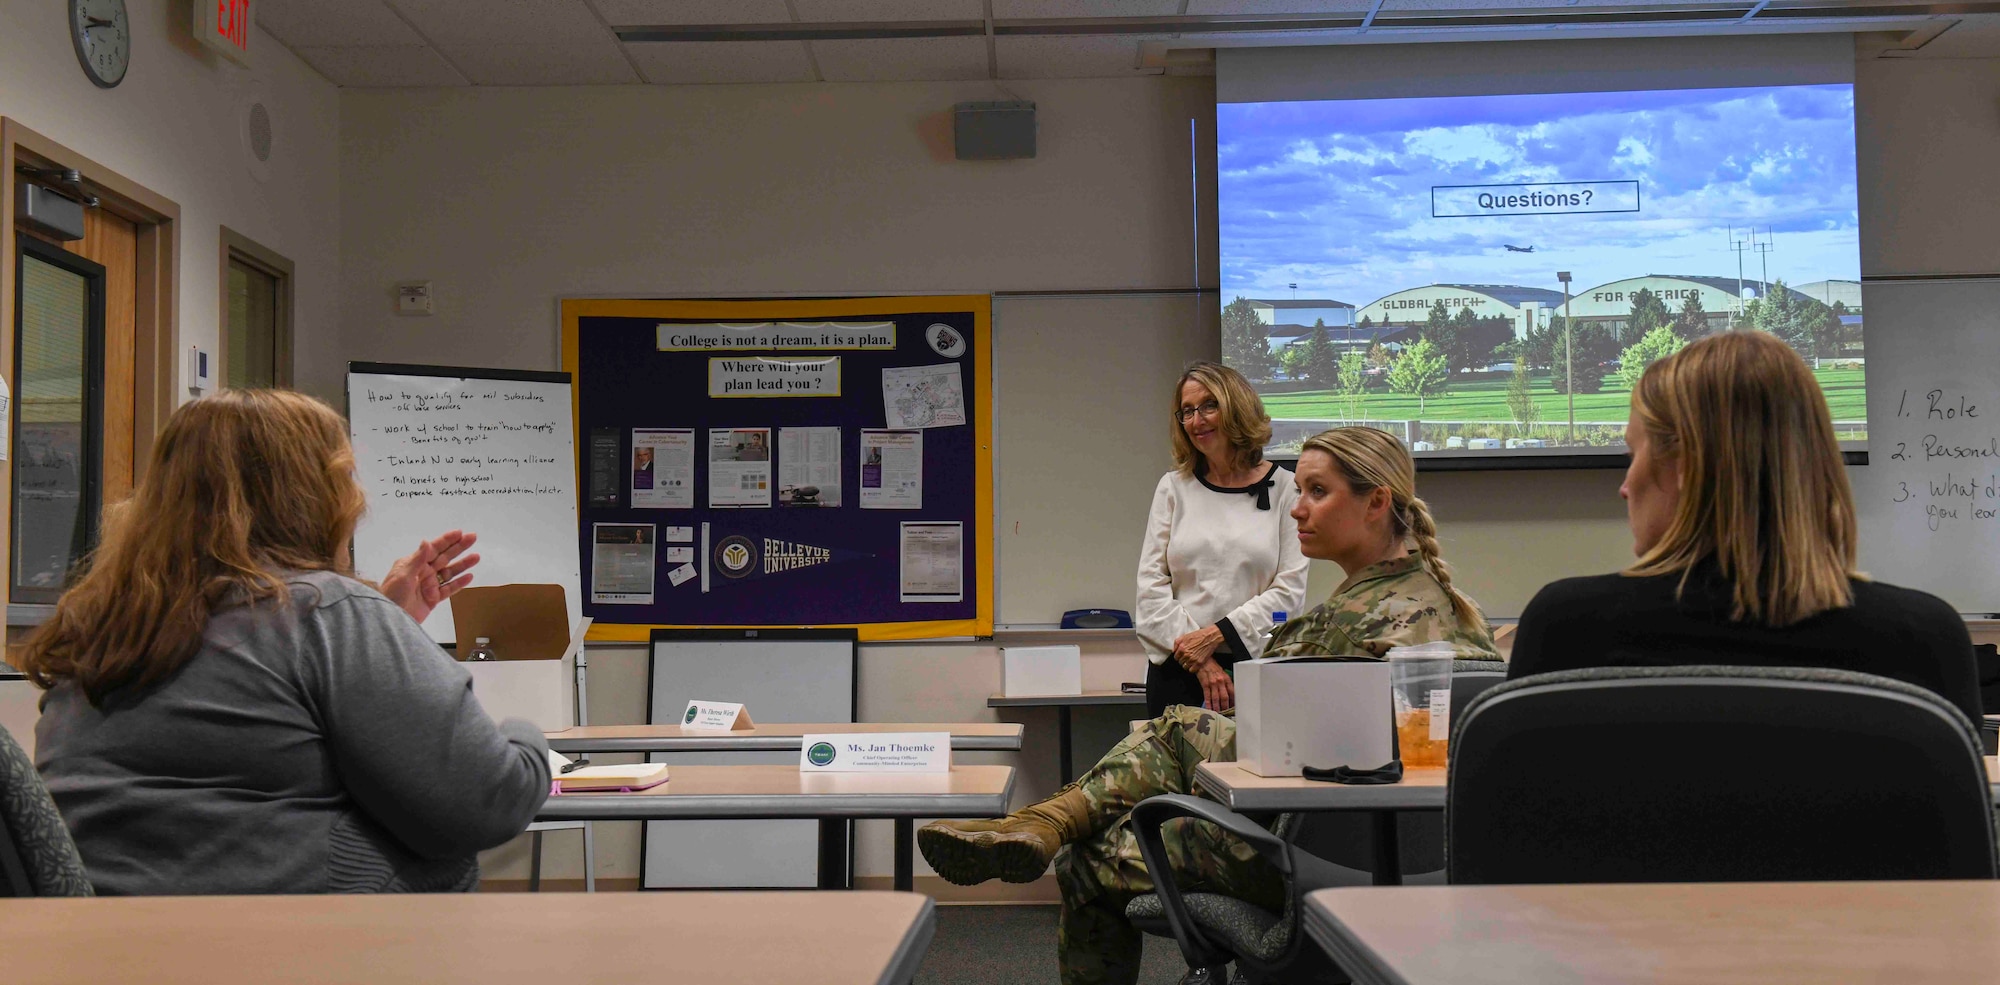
<point>1420,686</point>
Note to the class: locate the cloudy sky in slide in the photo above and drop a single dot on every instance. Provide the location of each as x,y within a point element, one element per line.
<point>1336,196</point>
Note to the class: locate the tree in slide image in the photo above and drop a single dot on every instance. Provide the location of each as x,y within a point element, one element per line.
<point>1421,372</point>
<point>1292,359</point>
<point>1378,355</point>
<point>1692,323</point>
<point>1521,398</point>
<point>1658,344</point>
<point>1781,314</point>
<point>1594,347</point>
<point>1353,383</point>
<point>1441,333</point>
<point>1648,313</point>
<point>1246,346</point>
<point>1322,362</point>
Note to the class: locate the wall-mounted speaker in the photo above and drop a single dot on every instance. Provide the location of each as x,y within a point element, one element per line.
<point>995,131</point>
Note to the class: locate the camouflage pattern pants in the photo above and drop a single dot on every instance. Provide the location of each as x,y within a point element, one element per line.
<point>1095,944</point>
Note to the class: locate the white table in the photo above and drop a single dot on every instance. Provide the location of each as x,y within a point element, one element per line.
<point>833,799</point>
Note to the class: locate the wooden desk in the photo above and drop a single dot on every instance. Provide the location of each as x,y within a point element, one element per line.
<point>1910,933</point>
<point>1062,703</point>
<point>965,736</point>
<point>833,799</point>
<point>468,939</point>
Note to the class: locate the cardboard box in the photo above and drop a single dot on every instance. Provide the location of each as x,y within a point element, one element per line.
<point>534,675</point>
<point>1027,671</point>
<point>1312,711</point>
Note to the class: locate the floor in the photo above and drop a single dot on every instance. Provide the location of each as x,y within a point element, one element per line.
<point>991,945</point>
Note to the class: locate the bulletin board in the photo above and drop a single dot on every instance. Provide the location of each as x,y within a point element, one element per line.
<point>796,463</point>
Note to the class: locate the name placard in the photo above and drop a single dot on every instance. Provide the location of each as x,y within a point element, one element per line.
<point>876,752</point>
<point>716,716</point>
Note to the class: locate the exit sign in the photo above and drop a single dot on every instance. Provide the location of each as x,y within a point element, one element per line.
<point>224,26</point>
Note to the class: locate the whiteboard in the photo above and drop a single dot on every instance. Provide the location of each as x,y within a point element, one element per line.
<point>1084,385</point>
<point>801,675</point>
<point>1929,498</point>
<point>489,452</point>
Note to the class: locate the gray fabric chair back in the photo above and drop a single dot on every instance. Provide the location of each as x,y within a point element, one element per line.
<point>37,857</point>
<point>1715,774</point>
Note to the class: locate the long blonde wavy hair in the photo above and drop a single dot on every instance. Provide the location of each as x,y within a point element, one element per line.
<point>1370,459</point>
<point>1763,489</point>
<point>242,485</point>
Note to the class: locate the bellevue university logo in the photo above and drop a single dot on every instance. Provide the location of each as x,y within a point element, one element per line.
<point>820,754</point>
<point>736,556</point>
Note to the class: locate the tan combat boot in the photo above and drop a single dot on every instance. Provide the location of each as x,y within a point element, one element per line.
<point>1015,848</point>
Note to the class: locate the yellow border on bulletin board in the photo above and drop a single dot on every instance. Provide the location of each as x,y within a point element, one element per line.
<point>981,306</point>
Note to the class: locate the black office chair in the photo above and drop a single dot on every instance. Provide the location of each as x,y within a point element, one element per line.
<point>1313,851</point>
<point>1715,774</point>
<point>37,857</point>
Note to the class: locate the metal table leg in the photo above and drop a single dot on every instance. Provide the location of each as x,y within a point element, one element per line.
<point>1388,852</point>
<point>906,847</point>
<point>833,853</point>
<point>1063,744</point>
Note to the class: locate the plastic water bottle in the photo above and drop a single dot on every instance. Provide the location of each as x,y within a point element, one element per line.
<point>482,649</point>
<point>1277,623</point>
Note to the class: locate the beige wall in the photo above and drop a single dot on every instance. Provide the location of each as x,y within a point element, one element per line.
<point>511,199</point>
<point>172,126</point>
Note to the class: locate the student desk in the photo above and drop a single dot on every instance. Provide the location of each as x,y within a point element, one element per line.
<point>965,737</point>
<point>1421,790</point>
<point>1062,703</point>
<point>833,799</point>
<point>1910,933</point>
<point>468,939</point>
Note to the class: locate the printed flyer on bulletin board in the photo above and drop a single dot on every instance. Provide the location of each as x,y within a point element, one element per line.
<point>785,463</point>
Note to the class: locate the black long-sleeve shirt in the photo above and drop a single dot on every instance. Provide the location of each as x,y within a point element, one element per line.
<point>1619,621</point>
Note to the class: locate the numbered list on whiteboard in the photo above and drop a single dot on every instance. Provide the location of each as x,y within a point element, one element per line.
<point>1944,451</point>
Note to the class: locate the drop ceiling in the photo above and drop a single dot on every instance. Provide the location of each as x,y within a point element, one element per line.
<point>389,43</point>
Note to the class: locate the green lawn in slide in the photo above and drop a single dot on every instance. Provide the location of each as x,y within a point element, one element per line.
<point>1485,399</point>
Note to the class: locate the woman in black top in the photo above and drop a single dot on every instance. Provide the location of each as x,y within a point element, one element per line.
<point>1744,527</point>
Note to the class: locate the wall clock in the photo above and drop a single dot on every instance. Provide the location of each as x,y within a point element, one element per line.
<point>103,38</point>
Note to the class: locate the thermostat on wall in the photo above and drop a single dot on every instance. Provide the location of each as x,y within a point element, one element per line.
<point>198,379</point>
<point>414,298</point>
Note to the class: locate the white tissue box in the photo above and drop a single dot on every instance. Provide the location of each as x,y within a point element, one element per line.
<point>1036,670</point>
<point>1294,712</point>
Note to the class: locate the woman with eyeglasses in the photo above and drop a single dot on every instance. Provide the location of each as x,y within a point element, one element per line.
<point>1221,553</point>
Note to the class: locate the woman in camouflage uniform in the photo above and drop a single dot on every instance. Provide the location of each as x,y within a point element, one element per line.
<point>1357,508</point>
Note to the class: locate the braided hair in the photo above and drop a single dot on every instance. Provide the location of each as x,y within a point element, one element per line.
<point>1371,459</point>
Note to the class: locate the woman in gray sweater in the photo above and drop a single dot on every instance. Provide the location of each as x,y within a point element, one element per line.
<point>230,711</point>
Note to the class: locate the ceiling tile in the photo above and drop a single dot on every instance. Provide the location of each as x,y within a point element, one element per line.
<point>722,61</point>
<point>1976,36</point>
<point>883,11</point>
<point>544,64</point>
<point>646,13</point>
<point>901,59</point>
<point>458,23</point>
<point>1071,57</point>
<point>375,66</point>
<point>1046,9</point>
<point>1216,8</point>
<point>317,23</point>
